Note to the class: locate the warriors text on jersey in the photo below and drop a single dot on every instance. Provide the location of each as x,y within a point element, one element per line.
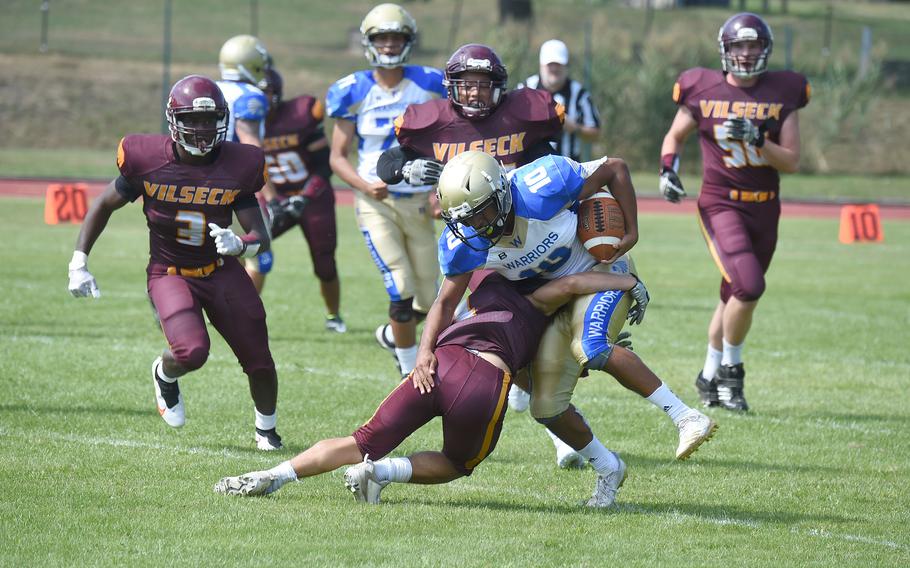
<point>373,109</point>
<point>543,241</point>
<point>524,118</point>
<point>296,123</point>
<point>180,200</point>
<point>731,164</point>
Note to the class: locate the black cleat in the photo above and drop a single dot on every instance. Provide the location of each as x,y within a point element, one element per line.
<point>268,440</point>
<point>707,391</point>
<point>730,381</point>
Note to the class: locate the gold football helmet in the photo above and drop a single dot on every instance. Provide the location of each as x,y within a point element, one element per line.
<point>244,58</point>
<point>475,198</point>
<point>388,18</point>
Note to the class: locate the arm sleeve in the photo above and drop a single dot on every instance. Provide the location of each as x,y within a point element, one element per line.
<point>392,161</point>
<point>245,201</point>
<point>125,189</point>
<point>540,149</point>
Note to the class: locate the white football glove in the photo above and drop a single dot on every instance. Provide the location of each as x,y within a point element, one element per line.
<point>421,171</point>
<point>82,283</point>
<point>640,295</point>
<point>670,186</point>
<point>226,242</point>
<point>745,130</point>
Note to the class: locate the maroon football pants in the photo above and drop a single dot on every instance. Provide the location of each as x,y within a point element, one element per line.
<point>320,231</point>
<point>232,305</point>
<point>741,237</point>
<point>470,395</point>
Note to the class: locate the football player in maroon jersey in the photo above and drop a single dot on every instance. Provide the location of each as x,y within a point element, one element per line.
<point>297,157</point>
<point>192,183</point>
<point>477,357</point>
<point>515,128</point>
<point>748,125</point>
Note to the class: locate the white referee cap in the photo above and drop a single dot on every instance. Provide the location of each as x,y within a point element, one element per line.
<point>554,51</point>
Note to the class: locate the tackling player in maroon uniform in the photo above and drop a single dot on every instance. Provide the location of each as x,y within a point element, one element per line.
<point>476,357</point>
<point>297,156</point>
<point>192,183</point>
<point>748,124</point>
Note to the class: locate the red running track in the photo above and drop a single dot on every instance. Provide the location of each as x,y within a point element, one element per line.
<point>13,187</point>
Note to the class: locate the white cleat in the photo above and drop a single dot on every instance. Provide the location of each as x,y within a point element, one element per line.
<point>566,456</point>
<point>253,484</point>
<point>336,324</point>
<point>695,428</point>
<point>174,416</point>
<point>519,399</point>
<point>361,480</point>
<point>607,485</point>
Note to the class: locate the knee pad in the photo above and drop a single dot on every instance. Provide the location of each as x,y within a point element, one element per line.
<point>401,310</point>
<point>749,291</point>
<point>193,358</point>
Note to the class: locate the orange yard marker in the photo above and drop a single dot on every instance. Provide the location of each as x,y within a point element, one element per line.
<point>65,203</point>
<point>860,223</point>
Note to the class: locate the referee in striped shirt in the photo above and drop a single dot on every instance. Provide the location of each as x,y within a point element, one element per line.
<point>582,120</point>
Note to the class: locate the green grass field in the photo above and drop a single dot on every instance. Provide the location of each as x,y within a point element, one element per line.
<point>816,474</point>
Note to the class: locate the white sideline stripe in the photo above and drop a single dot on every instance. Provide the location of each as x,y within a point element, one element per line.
<point>124,443</point>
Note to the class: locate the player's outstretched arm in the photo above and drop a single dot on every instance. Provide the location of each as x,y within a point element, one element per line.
<point>670,185</point>
<point>81,281</point>
<point>439,316</point>
<point>556,293</point>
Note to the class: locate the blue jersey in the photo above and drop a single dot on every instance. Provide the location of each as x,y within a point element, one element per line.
<point>543,241</point>
<point>245,102</point>
<point>373,109</point>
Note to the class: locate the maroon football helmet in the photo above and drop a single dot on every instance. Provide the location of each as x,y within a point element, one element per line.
<point>274,85</point>
<point>197,114</point>
<point>480,59</point>
<point>745,26</point>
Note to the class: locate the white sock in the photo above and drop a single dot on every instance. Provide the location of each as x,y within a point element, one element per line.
<point>393,469</point>
<point>407,358</point>
<point>733,354</point>
<point>387,333</point>
<point>266,421</point>
<point>664,399</point>
<point>283,473</point>
<point>712,362</point>
<point>161,374</point>
<point>601,459</point>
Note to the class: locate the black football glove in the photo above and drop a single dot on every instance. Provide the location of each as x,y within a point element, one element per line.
<point>670,185</point>
<point>422,171</point>
<point>624,339</point>
<point>284,214</point>
<point>744,130</point>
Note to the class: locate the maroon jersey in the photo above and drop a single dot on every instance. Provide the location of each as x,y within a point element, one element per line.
<point>297,123</point>
<point>501,321</point>
<point>524,118</point>
<point>180,200</point>
<point>731,164</point>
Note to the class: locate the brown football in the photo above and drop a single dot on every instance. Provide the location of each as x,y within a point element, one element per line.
<point>600,225</point>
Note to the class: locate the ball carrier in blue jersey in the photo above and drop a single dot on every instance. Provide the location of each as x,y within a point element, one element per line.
<point>523,226</point>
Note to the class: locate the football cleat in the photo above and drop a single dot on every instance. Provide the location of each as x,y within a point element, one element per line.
<point>384,342</point>
<point>566,456</point>
<point>253,484</point>
<point>730,382</point>
<point>519,399</point>
<point>361,480</point>
<point>707,391</point>
<point>607,485</point>
<point>334,323</point>
<point>694,429</point>
<point>168,399</point>
<point>268,440</point>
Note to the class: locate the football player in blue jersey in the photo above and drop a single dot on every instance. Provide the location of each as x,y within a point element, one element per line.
<point>522,225</point>
<point>243,61</point>
<point>396,220</point>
